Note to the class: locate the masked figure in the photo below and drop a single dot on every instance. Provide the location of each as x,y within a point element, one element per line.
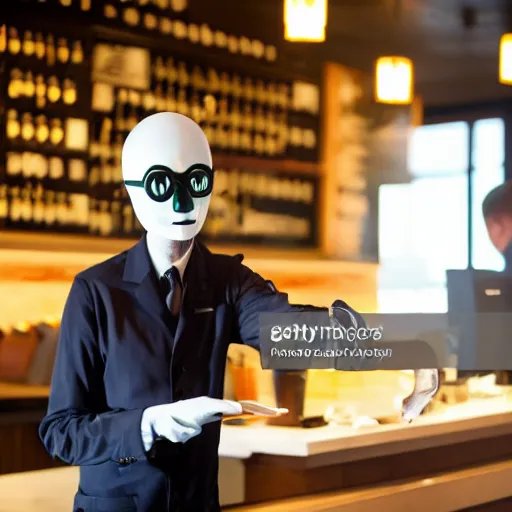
<point>136,396</point>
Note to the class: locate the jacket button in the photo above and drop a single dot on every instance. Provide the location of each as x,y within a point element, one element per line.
<point>133,459</point>
<point>80,510</point>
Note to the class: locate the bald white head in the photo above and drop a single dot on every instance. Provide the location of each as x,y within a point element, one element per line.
<point>167,169</point>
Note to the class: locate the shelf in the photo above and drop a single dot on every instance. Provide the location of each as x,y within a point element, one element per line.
<point>211,57</point>
<point>249,163</point>
<point>15,240</point>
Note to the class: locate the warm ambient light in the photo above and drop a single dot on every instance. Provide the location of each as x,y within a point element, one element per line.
<point>305,20</point>
<point>394,80</point>
<point>506,59</point>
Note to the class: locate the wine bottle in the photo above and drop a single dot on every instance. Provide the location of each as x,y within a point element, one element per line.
<point>69,94</point>
<point>63,50</point>
<point>13,127</point>
<point>160,102</point>
<point>56,132</point>
<point>40,47</point>
<point>196,111</point>
<point>50,51</point>
<point>15,206</point>
<point>182,104</point>
<point>183,76</point>
<point>225,84</point>
<point>77,54</point>
<point>29,86</point>
<point>26,204</point>
<point>150,22</point>
<point>40,90</point>
<point>158,69</point>
<point>14,43</point>
<point>197,79</point>
<point>127,219</point>
<point>38,209</point>
<point>53,91</point>
<point>27,127</point>
<point>172,72</point>
<point>42,129</point>
<point>170,100</point>
<point>212,81</point>
<point>4,203</point>
<point>15,89</point>
<point>3,38</point>
<point>28,46</point>
<point>193,33</point>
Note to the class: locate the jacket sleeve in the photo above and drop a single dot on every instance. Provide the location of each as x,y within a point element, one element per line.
<point>255,295</point>
<point>79,428</point>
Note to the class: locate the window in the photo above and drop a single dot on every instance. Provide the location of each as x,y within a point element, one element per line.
<point>423,226</point>
<point>488,171</point>
<point>439,149</point>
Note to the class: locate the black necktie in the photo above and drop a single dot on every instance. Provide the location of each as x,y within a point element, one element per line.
<point>174,290</point>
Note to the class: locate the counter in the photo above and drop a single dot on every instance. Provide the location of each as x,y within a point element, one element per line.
<point>466,447</point>
<point>53,491</point>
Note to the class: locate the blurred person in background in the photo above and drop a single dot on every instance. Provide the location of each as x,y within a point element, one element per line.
<point>497,211</point>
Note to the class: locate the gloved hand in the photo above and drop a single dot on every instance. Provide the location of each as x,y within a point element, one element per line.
<point>180,421</point>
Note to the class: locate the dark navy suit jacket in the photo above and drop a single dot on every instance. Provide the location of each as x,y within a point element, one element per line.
<point>119,353</point>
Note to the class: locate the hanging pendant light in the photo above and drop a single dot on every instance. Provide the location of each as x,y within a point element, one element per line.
<point>305,20</point>
<point>506,59</point>
<point>394,80</point>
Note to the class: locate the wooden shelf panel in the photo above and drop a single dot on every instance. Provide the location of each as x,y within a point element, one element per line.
<point>25,241</point>
<point>248,163</point>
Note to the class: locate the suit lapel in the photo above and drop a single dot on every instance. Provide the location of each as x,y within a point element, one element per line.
<point>194,325</point>
<point>139,271</point>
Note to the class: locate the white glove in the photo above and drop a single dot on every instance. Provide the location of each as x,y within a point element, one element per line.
<point>180,421</point>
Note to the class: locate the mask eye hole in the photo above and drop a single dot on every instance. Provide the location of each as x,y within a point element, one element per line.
<point>159,186</point>
<point>200,183</point>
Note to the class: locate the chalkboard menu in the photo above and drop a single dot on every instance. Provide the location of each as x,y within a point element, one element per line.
<point>79,75</point>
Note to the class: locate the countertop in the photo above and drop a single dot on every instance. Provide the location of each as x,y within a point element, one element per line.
<point>462,422</point>
<point>21,398</point>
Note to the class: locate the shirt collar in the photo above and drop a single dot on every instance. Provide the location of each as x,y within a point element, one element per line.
<point>161,267</point>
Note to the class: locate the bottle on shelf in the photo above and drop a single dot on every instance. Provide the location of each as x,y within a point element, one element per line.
<point>50,51</point>
<point>27,127</point>
<point>53,91</point>
<point>77,54</point>
<point>3,38</point>
<point>14,214</point>
<point>63,52</point>
<point>4,203</point>
<point>28,46</point>
<point>15,89</point>
<point>29,86</point>
<point>38,210</point>
<point>56,132</point>
<point>50,210</point>
<point>13,127</point>
<point>40,47</point>
<point>42,129</point>
<point>69,93</point>
<point>13,42</point>
<point>40,91</point>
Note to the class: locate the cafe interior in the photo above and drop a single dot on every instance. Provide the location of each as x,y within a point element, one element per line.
<point>394,115</point>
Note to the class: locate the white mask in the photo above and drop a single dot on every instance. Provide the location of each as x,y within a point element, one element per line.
<point>167,170</point>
